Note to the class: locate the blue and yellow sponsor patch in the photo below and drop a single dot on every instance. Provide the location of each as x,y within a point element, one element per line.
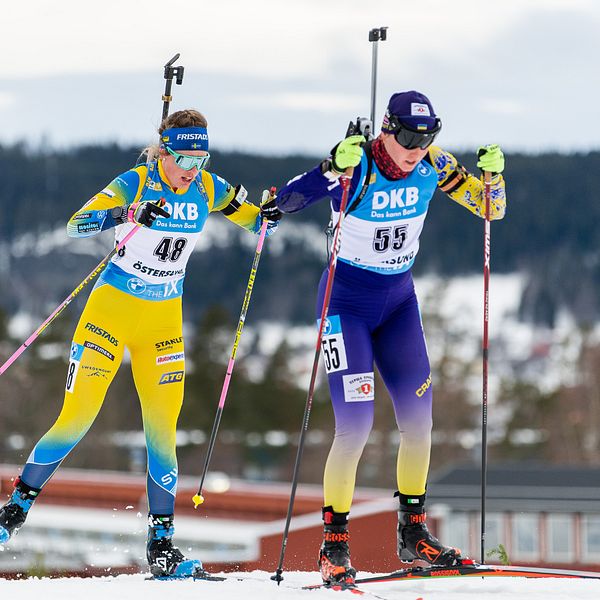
<point>172,377</point>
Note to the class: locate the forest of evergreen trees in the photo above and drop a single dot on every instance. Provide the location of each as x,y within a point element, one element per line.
<point>549,234</point>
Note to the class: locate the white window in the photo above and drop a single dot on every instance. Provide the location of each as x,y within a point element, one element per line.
<point>494,533</point>
<point>525,537</point>
<point>590,538</point>
<point>559,530</point>
<point>455,532</point>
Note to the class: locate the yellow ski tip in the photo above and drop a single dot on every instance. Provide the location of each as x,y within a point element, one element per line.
<point>198,499</point>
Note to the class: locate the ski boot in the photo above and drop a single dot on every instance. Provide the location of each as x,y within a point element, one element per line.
<point>14,512</point>
<point>165,560</point>
<point>415,542</point>
<point>334,555</point>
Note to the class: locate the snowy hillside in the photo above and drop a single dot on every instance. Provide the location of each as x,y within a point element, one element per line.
<point>258,586</point>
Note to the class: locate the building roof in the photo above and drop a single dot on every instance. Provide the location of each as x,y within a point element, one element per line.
<point>519,487</point>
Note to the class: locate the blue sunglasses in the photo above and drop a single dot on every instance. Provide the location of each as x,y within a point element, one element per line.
<point>186,162</point>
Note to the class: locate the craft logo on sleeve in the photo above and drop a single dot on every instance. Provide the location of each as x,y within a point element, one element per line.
<point>359,387</point>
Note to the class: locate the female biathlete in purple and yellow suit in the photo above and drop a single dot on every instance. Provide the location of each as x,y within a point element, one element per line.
<point>374,315</point>
<point>136,303</point>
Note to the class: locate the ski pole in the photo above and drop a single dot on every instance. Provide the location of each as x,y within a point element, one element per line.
<point>345,183</point>
<point>375,35</point>
<point>487,180</point>
<point>67,301</point>
<point>198,498</point>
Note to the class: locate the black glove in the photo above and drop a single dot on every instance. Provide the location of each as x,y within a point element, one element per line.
<point>270,211</point>
<point>145,213</point>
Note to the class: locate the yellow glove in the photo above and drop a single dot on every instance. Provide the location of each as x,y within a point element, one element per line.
<point>347,153</point>
<point>491,159</point>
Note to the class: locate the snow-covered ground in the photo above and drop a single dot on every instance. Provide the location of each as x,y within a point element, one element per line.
<point>258,586</point>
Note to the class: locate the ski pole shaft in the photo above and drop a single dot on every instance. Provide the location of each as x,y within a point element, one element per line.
<point>198,498</point>
<point>487,179</point>
<point>345,180</point>
<point>375,35</point>
<point>58,310</point>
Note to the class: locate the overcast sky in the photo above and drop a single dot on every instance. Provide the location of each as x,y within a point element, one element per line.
<point>277,76</point>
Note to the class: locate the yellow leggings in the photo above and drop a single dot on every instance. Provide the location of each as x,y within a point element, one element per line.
<point>152,332</point>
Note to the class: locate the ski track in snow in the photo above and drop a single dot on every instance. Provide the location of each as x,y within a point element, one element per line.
<point>257,585</point>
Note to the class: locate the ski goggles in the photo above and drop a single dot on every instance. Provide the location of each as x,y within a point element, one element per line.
<point>187,162</point>
<point>411,138</point>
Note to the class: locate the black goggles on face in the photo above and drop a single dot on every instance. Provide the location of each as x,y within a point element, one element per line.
<point>410,138</point>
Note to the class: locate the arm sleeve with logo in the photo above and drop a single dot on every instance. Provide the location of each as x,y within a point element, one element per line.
<point>245,214</point>
<point>95,215</point>
<point>466,189</point>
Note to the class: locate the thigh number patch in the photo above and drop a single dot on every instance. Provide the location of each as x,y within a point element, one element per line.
<point>75,359</point>
<point>359,387</point>
<point>332,344</point>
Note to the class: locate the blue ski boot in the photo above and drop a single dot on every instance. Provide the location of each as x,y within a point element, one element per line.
<point>14,512</point>
<point>165,560</point>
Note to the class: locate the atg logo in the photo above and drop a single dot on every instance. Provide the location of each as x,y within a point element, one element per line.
<point>172,377</point>
<point>398,198</point>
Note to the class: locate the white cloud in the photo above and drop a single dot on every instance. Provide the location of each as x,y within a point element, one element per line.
<point>502,106</point>
<point>6,100</point>
<point>483,64</point>
<point>302,101</point>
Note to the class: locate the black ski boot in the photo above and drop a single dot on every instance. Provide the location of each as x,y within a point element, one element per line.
<point>334,556</point>
<point>415,542</point>
<point>165,560</point>
<point>14,512</point>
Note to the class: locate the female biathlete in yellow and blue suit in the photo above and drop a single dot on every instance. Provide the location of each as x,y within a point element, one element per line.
<point>136,303</point>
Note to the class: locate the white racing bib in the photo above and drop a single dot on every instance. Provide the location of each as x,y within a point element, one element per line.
<point>382,233</point>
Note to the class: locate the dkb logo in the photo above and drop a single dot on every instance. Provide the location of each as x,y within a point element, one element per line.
<point>398,198</point>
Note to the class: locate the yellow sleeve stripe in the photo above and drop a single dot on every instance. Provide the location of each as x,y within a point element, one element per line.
<point>142,171</point>
<point>209,186</point>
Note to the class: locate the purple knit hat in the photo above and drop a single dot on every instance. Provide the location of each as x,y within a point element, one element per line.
<point>412,109</point>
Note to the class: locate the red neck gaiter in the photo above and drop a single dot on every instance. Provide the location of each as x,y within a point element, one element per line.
<point>385,162</point>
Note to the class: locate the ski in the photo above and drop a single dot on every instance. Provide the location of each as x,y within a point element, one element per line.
<point>478,570</point>
<point>342,587</point>
<point>202,576</point>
